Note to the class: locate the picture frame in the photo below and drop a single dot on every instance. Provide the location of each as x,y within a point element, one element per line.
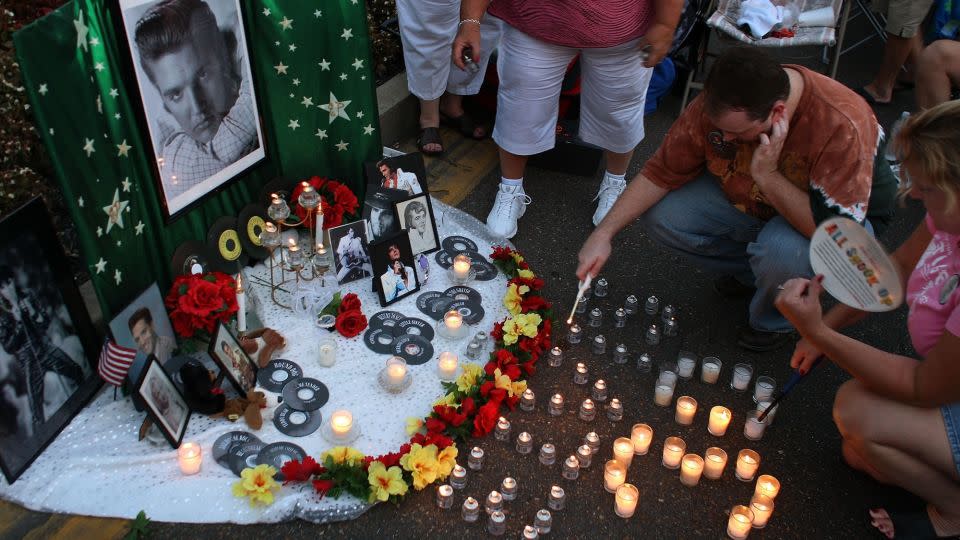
<point>351,257</point>
<point>394,281</point>
<point>164,402</point>
<point>144,325</point>
<point>415,215</point>
<point>183,113</point>
<point>390,180</point>
<point>48,345</point>
<point>232,360</point>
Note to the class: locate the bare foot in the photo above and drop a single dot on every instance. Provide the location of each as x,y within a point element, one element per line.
<point>879,95</point>
<point>880,519</point>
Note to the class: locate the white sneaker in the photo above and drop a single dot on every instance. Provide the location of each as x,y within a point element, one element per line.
<point>510,204</point>
<point>609,191</point>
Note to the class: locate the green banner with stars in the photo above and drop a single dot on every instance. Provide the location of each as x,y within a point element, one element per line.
<point>317,99</point>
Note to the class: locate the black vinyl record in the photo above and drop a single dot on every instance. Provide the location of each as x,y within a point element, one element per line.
<point>444,258</point>
<point>279,185</point>
<point>250,224</point>
<point>227,441</point>
<point>458,244</point>
<point>424,301</point>
<point>439,306</point>
<point>276,374</point>
<point>296,423</point>
<point>277,454</point>
<point>190,257</point>
<point>223,242</point>
<point>386,319</point>
<point>415,350</point>
<point>483,269</point>
<point>379,340</point>
<point>472,311</point>
<point>414,326</point>
<point>462,292</point>
<point>244,455</point>
<point>305,394</point>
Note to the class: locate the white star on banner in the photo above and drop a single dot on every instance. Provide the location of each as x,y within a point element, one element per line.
<point>117,116</point>
<point>343,76</point>
<point>322,133</point>
<point>354,2</point>
<point>336,108</point>
<point>318,14</point>
<point>363,77</point>
<point>80,202</point>
<point>294,124</point>
<point>99,231</point>
<point>292,47</point>
<point>43,89</point>
<point>277,43</point>
<point>359,114</point>
<point>123,149</point>
<point>94,41</point>
<point>324,65</point>
<point>81,31</point>
<point>88,147</point>
<point>99,66</point>
<point>368,129</point>
<point>126,184</point>
<point>296,82</point>
<point>347,33</point>
<point>119,243</point>
<point>266,12</point>
<point>281,69</point>
<point>117,276</point>
<point>342,146</point>
<point>101,265</point>
<point>51,131</point>
<point>100,107</point>
<point>357,63</point>
<point>114,92</point>
<point>114,211</point>
<point>307,101</point>
<point>286,23</point>
<point>139,227</point>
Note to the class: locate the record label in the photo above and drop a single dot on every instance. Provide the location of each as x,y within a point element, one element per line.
<point>386,319</point>
<point>423,301</point>
<point>189,258</point>
<point>459,244</point>
<point>277,454</point>
<point>444,259</point>
<point>276,374</point>
<point>244,456</point>
<point>227,441</point>
<point>305,394</point>
<point>472,312</point>
<point>379,340</point>
<point>414,326</point>
<point>296,423</point>
<point>462,292</point>
<point>414,349</point>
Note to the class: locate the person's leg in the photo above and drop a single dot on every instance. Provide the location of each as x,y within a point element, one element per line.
<point>904,18</point>
<point>466,83</point>
<point>779,253</point>
<point>937,70</point>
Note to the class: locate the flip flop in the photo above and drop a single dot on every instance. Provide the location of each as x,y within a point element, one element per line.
<point>430,135</point>
<point>872,101</point>
<point>464,124</point>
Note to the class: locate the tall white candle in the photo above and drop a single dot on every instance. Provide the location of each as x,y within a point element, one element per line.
<point>241,305</point>
<point>319,231</point>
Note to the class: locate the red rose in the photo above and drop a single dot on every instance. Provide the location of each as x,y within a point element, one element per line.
<point>202,299</point>
<point>486,418</point>
<point>351,323</point>
<point>183,324</point>
<point>350,302</point>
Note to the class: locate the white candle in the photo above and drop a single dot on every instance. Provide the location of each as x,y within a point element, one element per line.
<point>623,451</point>
<point>295,258</point>
<point>189,457</point>
<point>396,370</point>
<point>640,436</point>
<point>741,376</point>
<point>719,420</point>
<point>447,366</point>
<point>690,470</point>
<point>341,423</point>
<point>626,500</point>
<point>752,427</point>
<point>319,229</point>
<point>453,321</point>
<point>461,267</point>
<point>762,508</point>
<point>614,475</point>
<point>748,462</point>
<point>763,406</point>
<point>685,367</point>
<point>714,463</point>
<point>328,352</point>
<point>686,409</point>
<point>673,449</point>
<point>710,371</point>
<point>741,519</point>
<point>241,305</point>
<point>663,395</point>
<point>768,486</point>
<point>763,389</point>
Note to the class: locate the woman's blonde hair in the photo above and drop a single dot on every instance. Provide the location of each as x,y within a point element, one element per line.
<point>929,144</point>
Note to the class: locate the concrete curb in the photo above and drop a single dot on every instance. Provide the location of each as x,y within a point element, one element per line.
<point>399,110</point>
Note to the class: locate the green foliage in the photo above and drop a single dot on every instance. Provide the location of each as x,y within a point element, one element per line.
<point>138,527</point>
<point>346,477</point>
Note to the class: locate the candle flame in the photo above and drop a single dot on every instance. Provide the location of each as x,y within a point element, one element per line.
<point>240,283</point>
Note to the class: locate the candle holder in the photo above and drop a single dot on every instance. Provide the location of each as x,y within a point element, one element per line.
<point>581,306</point>
<point>640,437</point>
<point>768,486</point>
<point>599,391</point>
<point>599,344</point>
<point>475,458</point>
<point>668,312</point>
<point>652,305</point>
<point>623,451</point>
<point>555,358</point>
<point>631,305</point>
<point>395,377</point>
<point>763,389</point>
<point>575,334</point>
<point>595,318</point>
<point>671,327</point>
<point>753,428</point>
<point>452,326</point>
<point>740,522</point>
<point>543,521</point>
<point>710,369</point>
<point>763,406</point>
<point>719,421</point>
<point>342,429</point>
<point>548,454</point>
<point>458,477</point>
<point>461,271</point>
<point>444,497</point>
<point>328,352</point>
<point>447,366</point>
<point>580,375</point>
<point>524,443</point>
<point>508,489</point>
<point>497,523</point>
<point>614,475</point>
<point>555,406</point>
<point>557,499</point>
<point>473,350</point>
<point>189,458</point>
<point>748,462</point>
<point>620,354</point>
<point>663,390</point>
<point>691,469</point>
<point>762,508</point>
<point>673,449</point>
<point>619,318</point>
<point>593,441</point>
<point>588,411</point>
<point>742,373</point>
<point>644,363</point>
<point>652,336</point>
<point>601,288</point>
<point>584,456</point>
<point>615,410</point>
<point>471,510</point>
<point>625,502</point>
<point>571,468</point>
<point>483,339</point>
<point>502,431</point>
<point>686,410</point>
<point>686,365</point>
<point>528,401</point>
<point>715,460</point>
<point>494,502</point>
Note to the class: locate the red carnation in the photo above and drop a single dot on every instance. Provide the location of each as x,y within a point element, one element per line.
<point>296,471</point>
<point>322,486</point>
<point>486,418</point>
<point>532,302</point>
<point>390,460</point>
<point>351,323</point>
<point>468,407</point>
<point>349,302</point>
<point>435,425</point>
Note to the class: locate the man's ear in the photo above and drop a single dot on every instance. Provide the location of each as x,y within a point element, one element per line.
<point>778,111</point>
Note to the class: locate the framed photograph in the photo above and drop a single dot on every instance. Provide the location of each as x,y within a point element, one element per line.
<point>48,346</point>
<point>238,367</point>
<point>393,268</point>
<point>192,68</point>
<point>416,216</point>
<point>163,401</point>
<point>350,256</point>
<point>144,325</point>
<point>390,180</point>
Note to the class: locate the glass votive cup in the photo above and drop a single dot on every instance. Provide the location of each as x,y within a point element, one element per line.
<point>189,458</point>
<point>555,405</point>
<point>710,369</point>
<point>625,502</point>
<point>470,510</point>
<point>570,468</point>
<point>614,475</point>
<point>763,406</point>
<point>595,317</point>
<point>529,532</point>
<point>623,451</point>
<point>580,374</point>
<point>599,390</point>
<point>719,421</point>
<point>502,430</point>
<point>557,498</point>
<point>748,462</point>
<point>574,334</point>
<point>460,270</point>
<point>753,428</point>
<point>686,365</point>
<point>615,410</point>
<point>663,393</point>
<point>494,502</point>
<point>581,306</point>
<point>740,522</point>
<point>691,468</point>
<point>740,380</point>
<point>762,508</point>
<point>768,486</point>
<point>619,318</point>
<point>497,523</point>
<point>475,458</point>
<point>447,365</point>
<point>715,460</point>
<point>668,313</point>
<point>548,454</point>
<point>482,338</point>
<point>673,449</point>
<point>524,443</point>
<point>652,336</point>
<point>528,401</point>
<point>686,410</point>
<point>631,305</point>
<point>395,376</point>
<point>620,354</point>
<point>601,288</point>
<point>445,497</point>
<point>644,363</point>
<point>593,441</point>
<point>588,410</point>
<point>641,435</point>
<point>458,477</point>
<point>555,358</point>
<point>598,345</point>
<point>671,327</point>
<point>763,389</point>
<point>652,305</point>
<point>473,350</point>
<point>543,521</point>
<point>452,326</point>
<point>584,456</point>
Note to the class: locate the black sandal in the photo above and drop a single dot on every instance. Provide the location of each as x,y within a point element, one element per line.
<point>465,125</point>
<point>430,135</point>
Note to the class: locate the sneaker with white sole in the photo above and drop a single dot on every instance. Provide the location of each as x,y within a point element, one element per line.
<point>510,204</point>
<point>609,191</point>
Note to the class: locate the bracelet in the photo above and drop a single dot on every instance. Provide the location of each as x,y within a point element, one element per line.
<point>474,21</point>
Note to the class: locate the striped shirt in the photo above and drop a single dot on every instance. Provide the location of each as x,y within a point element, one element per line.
<point>582,24</point>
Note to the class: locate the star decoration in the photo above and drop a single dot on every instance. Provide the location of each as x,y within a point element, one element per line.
<point>291,95</point>
<point>343,76</point>
<point>286,23</point>
<point>322,133</point>
<point>357,63</point>
<point>81,32</point>
<point>359,114</point>
<point>88,147</point>
<point>363,77</point>
<point>114,211</point>
<point>43,89</point>
<point>318,13</point>
<point>342,146</point>
<point>347,33</point>
<point>99,104</point>
<point>99,66</point>
<point>296,82</point>
<point>368,129</point>
<point>80,202</point>
<point>123,149</point>
<point>292,47</point>
<point>277,43</point>
<point>99,231</point>
<point>119,243</point>
<point>101,265</point>
<point>307,101</point>
<point>336,108</point>
<point>139,227</point>
<point>114,92</point>
<point>324,65</point>
<point>294,124</point>
<point>266,12</point>
<point>281,69</point>
<point>126,184</point>
<point>51,131</point>
<point>117,276</point>
<point>94,41</point>
<point>117,116</point>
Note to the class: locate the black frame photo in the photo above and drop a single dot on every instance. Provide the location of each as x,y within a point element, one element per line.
<point>233,362</point>
<point>394,283</point>
<point>48,346</point>
<point>351,258</point>
<point>391,180</point>
<point>196,88</point>
<point>416,217</point>
<point>145,326</point>
<point>164,402</point>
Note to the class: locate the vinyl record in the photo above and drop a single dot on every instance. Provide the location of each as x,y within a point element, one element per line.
<point>415,350</point>
<point>472,311</point>
<point>276,374</point>
<point>296,423</point>
<point>190,257</point>
<point>223,242</point>
<point>462,292</point>
<point>250,224</point>
<point>414,327</point>
<point>281,186</point>
<point>444,258</point>
<point>439,306</point>
<point>484,270</point>
<point>385,319</point>
<point>458,244</point>
<point>305,394</point>
<point>227,441</point>
<point>278,453</point>
<point>379,340</point>
<point>242,456</point>
<point>424,301</point>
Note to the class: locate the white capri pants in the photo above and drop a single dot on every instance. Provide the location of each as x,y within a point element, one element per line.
<point>613,91</point>
<point>427,30</point>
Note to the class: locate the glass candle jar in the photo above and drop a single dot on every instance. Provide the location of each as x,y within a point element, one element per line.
<point>473,350</point>
<point>620,318</point>
<point>753,428</point>
<point>640,436</point>
<point>644,363</point>
<point>588,410</point>
<point>599,344</point>
<point>710,369</point>
<point>543,521</point>
<point>593,441</point>
<point>555,407</point>
<point>497,523</point>
<point>663,391</point>
<point>494,502</point>
<point>571,468</point>
<point>625,502</point>
<point>548,454</point>
<point>470,510</point>
<point>529,533</point>
<point>620,354</point>
<point>719,421</point>
<point>623,451</point>
<point>615,410</point>
<point>580,374</point>
<point>671,327</point>
<point>508,489</point>
<point>458,477</point>
<point>584,456</point>
<point>502,430</point>
<point>686,365</point>
<point>715,460</point>
<point>483,339</point>
<point>653,335</point>
<point>614,475</point>
<point>581,306</point>
<point>742,373</point>
<point>595,318</point>
<point>555,357</point>
<point>528,401</point>
<point>445,497</point>
<point>767,485</point>
<point>524,443</point>
<point>763,406</point>
<point>601,288</point>
<point>691,468</point>
<point>740,522</point>
<point>599,391</point>
<point>763,389</point>
<point>475,459</point>
<point>574,334</point>
<point>762,508</point>
<point>748,462</point>
<point>686,409</point>
<point>668,312</point>
<point>673,449</point>
<point>631,305</point>
<point>652,305</point>
<point>557,499</point>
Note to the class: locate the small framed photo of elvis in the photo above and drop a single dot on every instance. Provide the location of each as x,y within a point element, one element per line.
<point>163,401</point>
<point>192,69</point>
<point>351,259</point>
<point>416,217</point>
<point>236,364</point>
<point>48,346</point>
<point>393,268</point>
<point>391,180</point>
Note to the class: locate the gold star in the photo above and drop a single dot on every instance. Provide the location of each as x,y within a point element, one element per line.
<point>114,211</point>
<point>336,108</point>
<point>123,149</point>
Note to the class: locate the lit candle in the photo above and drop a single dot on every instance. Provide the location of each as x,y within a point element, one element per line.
<point>494,502</point>
<point>762,508</point>
<point>741,377</point>
<point>475,459</point>
<point>341,423</point>
<point>625,503</point>
<point>556,357</point>
<point>673,449</point>
<point>447,366</point>
<point>752,427</point>
<point>241,305</point>
<point>615,410</point>
<point>748,462</point>
<point>558,498</point>
<point>599,392</point>
<point>319,228</point>
<point>189,458</point>
<point>663,394</point>
<point>767,485</point>
<point>653,335</point>
<point>548,454</point>
<point>508,489</point>
<point>571,468</point>
<point>445,497</point>
<point>396,370</point>
<point>555,407</point>
<point>741,519</point>
<point>686,409</point>
<point>458,478</point>
<point>715,462</point>
<point>588,411</point>
<point>640,437</point>
<point>593,441</point>
<point>690,470</point>
<point>575,334</point>
<point>623,451</point>
<point>528,400</point>
<point>581,376</point>
<point>719,420</point>
<point>584,456</point>
<point>502,431</point>
<point>461,267</point>
<point>295,258</point>
<point>710,370</point>
<point>614,475</point>
<point>471,510</point>
<point>453,321</point>
<point>328,352</point>
<point>524,443</point>
<point>685,366</point>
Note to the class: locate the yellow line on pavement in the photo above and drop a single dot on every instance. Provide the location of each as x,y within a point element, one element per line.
<point>463,164</point>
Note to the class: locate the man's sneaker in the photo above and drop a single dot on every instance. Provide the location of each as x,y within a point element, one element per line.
<point>760,341</point>
<point>608,193</point>
<point>510,204</point>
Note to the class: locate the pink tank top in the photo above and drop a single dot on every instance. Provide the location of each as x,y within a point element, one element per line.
<point>933,291</point>
<point>582,24</point>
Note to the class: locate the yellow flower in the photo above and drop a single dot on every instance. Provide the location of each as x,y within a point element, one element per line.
<point>414,425</point>
<point>525,324</point>
<point>525,274</point>
<point>502,381</point>
<point>342,454</point>
<point>517,388</point>
<point>513,297</point>
<point>446,460</point>
<point>448,399</point>
<point>469,377</point>
<point>422,462</point>
<point>258,484</point>
<point>517,258</point>
<point>385,482</point>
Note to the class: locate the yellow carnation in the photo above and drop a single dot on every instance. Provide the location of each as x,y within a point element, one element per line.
<point>469,377</point>
<point>514,297</point>
<point>257,484</point>
<point>422,462</point>
<point>448,399</point>
<point>525,274</point>
<point>446,461</point>
<point>342,455</point>
<point>385,482</point>
<point>414,425</point>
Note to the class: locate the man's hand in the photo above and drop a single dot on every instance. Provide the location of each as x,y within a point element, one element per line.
<point>593,254</point>
<point>656,43</point>
<point>468,37</point>
<point>767,154</point>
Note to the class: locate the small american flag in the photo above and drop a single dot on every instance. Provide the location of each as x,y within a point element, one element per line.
<point>115,362</point>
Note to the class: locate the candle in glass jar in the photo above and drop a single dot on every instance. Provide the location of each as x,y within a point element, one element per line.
<point>294,256</point>
<point>575,334</point>
<point>710,370</point>
<point>599,392</point>
<point>640,437</point>
<point>453,321</point>
<point>508,489</point>
<point>663,394</point>
<point>588,410</point>
<point>447,366</point>
<point>461,267</point>
<point>719,420</point>
<point>715,460</point>
<point>548,454</point>
<point>763,389</point>
<point>685,365</point>
<point>593,441</point>
<point>475,459</point>
<point>752,427</point>
<point>767,485</point>
<point>748,462</point>
<point>615,410</point>
<point>341,423</point>
<point>581,376</point>
<point>189,457</point>
<point>686,409</point>
<point>494,502</point>
<point>741,519</point>
<point>445,497</point>
<point>614,475</point>
<point>742,373</point>
<point>623,451</point>
<point>556,357</point>
<point>328,352</point>
<point>558,498</point>
<point>625,503</point>
<point>471,510</point>
<point>524,443</point>
<point>571,468</point>
<point>762,508</point>
<point>691,467</point>
<point>502,430</point>
<point>396,370</point>
<point>584,456</point>
<point>673,449</point>
<point>555,407</point>
<point>458,478</point>
<point>528,400</point>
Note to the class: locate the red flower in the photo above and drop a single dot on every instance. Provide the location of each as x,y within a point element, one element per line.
<point>501,253</point>
<point>535,284</point>
<point>389,460</point>
<point>435,425</point>
<point>439,439</point>
<point>449,415</point>
<point>201,299</point>
<point>486,418</point>
<point>351,323</point>
<point>532,302</point>
<point>497,331</point>
<point>336,201</point>
<point>322,486</point>
<point>197,302</point>
<point>295,471</point>
<point>349,302</point>
<point>468,407</point>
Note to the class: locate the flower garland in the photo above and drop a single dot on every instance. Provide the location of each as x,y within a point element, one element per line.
<point>469,407</point>
<point>336,200</point>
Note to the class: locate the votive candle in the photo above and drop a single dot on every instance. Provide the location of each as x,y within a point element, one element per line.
<point>557,498</point>
<point>447,366</point>
<point>571,468</point>
<point>189,457</point>
<point>445,497</point>
<point>623,451</point>
<point>719,420</point>
<point>753,428</point>
<point>341,423</point>
<point>328,352</point>
<point>748,462</point>
<point>471,510</point>
<point>599,392</point>
<point>584,456</point>
<point>494,502</point>
<point>461,267</point>
<point>740,522</point>
<point>767,485</point>
<point>475,459</point>
<point>453,322</point>
<point>581,375</point>
<point>762,508</point>
<point>615,410</point>
<point>614,475</point>
<point>686,409</point>
<point>663,394</point>
<point>593,441</point>
<point>588,410</point>
<point>710,370</point>
<point>555,407</point>
<point>686,363</point>
<point>502,430</point>
<point>575,334</point>
<point>673,449</point>
<point>691,467</point>
<point>524,443</point>
<point>763,389</point>
<point>742,373</point>
<point>556,357</point>
<point>640,436</point>
<point>396,370</point>
<point>458,478</point>
<point>715,460</point>
<point>528,400</point>
<point>625,503</point>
